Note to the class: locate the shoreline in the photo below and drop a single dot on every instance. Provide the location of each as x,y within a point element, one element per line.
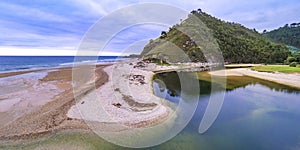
<point>50,116</point>
<point>53,116</point>
<point>291,80</point>
<point>133,104</point>
<point>127,99</point>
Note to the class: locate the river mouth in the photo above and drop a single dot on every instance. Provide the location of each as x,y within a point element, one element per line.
<point>256,114</point>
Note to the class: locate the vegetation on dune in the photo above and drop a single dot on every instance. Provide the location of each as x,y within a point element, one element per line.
<point>293,60</point>
<point>293,64</point>
<point>237,43</point>
<point>288,34</point>
<point>277,68</point>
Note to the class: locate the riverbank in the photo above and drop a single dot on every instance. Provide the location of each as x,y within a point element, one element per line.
<point>41,102</point>
<point>292,80</point>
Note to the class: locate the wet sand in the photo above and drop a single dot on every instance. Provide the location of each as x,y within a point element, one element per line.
<point>41,103</point>
<point>124,92</point>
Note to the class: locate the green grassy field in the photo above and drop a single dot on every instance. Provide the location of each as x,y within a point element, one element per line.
<point>277,68</point>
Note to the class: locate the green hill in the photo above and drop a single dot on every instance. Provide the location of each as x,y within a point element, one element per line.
<point>289,35</point>
<point>237,43</point>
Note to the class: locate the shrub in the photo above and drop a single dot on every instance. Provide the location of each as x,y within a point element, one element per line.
<point>291,59</point>
<point>293,64</point>
<point>286,62</point>
<point>297,57</point>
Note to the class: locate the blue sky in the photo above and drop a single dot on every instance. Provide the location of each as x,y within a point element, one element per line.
<point>56,27</point>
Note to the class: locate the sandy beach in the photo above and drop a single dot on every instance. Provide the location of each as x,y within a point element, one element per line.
<point>42,102</point>
<point>292,80</point>
<point>127,98</point>
<point>35,103</point>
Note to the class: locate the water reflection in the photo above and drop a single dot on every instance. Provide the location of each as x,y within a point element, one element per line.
<point>171,81</point>
<point>256,114</point>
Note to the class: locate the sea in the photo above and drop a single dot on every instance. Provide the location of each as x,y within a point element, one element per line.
<point>19,63</point>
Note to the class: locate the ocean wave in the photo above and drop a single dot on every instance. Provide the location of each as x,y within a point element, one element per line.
<point>78,63</point>
<point>12,64</point>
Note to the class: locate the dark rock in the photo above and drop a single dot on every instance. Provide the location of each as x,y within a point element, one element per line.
<point>117,105</point>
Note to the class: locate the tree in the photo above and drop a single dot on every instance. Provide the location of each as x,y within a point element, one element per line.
<point>297,57</point>
<point>163,34</point>
<point>289,35</point>
<point>286,26</point>
<point>199,11</point>
<point>293,64</point>
<point>293,24</point>
<point>193,12</point>
<point>291,59</point>
<point>237,43</point>
<point>265,31</point>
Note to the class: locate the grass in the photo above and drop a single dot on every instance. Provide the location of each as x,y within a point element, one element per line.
<point>233,66</point>
<point>277,68</point>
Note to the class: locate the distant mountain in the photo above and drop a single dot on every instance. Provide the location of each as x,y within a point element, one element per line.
<point>288,34</point>
<point>237,43</point>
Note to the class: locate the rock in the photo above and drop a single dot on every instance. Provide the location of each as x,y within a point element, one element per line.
<point>117,105</point>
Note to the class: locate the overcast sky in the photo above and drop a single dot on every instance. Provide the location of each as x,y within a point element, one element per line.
<point>56,27</point>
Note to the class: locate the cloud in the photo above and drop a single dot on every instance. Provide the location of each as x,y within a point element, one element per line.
<point>101,7</point>
<point>267,14</point>
<point>117,30</point>
<point>58,24</point>
<point>30,13</point>
<point>46,51</point>
<point>29,37</point>
<point>135,34</point>
<point>42,51</point>
<point>26,25</point>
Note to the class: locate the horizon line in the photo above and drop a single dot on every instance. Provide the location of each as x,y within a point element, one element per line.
<point>46,51</point>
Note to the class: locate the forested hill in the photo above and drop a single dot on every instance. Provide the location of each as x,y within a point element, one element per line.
<point>289,34</point>
<point>237,43</point>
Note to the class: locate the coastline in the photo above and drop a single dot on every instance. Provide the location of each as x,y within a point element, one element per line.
<point>139,106</point>
<point>292,80</point>
<point>49,116</point>
<point>127,99</point>
<point>124,92</point>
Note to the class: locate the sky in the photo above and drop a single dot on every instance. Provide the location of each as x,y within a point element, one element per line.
<point>58,27</point>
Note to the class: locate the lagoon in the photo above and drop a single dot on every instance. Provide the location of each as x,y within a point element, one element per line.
<point>256,114</point>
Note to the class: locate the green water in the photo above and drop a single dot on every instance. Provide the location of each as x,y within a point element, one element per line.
<point>256,115</point>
